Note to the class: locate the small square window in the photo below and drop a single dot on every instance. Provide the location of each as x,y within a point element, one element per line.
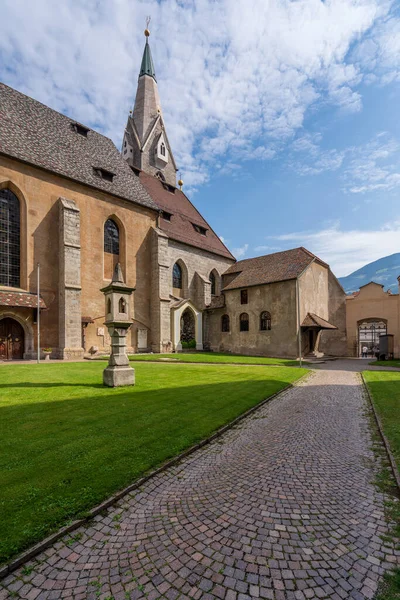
<point>243,297</point>
<point>80,129</point>
<point>104,174</point>
<point>199,229</point>
<point>166,215</point>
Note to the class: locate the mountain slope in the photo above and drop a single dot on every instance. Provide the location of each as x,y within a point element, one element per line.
<point>384,271</point>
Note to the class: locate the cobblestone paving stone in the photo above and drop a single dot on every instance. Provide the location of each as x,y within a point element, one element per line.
<point>282,507</point>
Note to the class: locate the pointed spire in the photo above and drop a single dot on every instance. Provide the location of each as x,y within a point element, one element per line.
<point>147,67</point>
<point>117,276</point>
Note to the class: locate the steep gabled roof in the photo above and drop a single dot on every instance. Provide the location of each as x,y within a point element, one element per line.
<point>183,216</point>
<point>270,268</point>
<point>38,135</point>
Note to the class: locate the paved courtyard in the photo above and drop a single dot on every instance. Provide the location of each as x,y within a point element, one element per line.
<point>281,507</point>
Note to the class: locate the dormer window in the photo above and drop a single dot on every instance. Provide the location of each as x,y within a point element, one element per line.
<point>80,129</point>
<point>166,215</point>
<point>199,229</point>
<point>104,174</point>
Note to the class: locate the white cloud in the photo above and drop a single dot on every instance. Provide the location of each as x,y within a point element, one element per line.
<point>347,251</point>
<point>369,167</point>
<point>268,249</point>
<point>240,252</point>
<point>236,77</point>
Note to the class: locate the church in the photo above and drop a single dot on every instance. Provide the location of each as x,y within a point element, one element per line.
<point>72,206</point>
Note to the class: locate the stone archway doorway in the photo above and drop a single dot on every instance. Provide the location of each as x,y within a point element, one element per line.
<point>12,339</point>
<point>188,326</point>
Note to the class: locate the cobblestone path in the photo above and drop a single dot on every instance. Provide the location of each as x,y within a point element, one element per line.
<point>282,507</point>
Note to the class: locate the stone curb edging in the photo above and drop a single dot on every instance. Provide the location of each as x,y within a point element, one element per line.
<point>386,443</point>
<point>48,541</point>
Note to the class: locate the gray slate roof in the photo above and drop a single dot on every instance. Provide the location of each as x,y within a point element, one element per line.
<point>39,135</point>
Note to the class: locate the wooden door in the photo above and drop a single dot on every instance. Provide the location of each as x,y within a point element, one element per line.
<point>11,340</point>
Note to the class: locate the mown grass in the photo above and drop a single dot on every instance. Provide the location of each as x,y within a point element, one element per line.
<point>385,390</point>
<point>214,357</point>
<point>67,443</point>
<point>385,363</point>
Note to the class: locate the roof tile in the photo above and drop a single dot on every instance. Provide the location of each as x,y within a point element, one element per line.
<point>37,134</point>
<point>270,268</point>
<point>184,214</point>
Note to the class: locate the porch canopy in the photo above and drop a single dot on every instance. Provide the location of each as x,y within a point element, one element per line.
<point>313,320</point>
<point>20,299</point>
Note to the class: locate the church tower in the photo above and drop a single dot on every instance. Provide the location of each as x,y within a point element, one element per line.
<point>145,145</point>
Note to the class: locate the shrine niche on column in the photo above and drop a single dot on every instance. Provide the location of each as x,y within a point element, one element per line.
<point>118,321</point>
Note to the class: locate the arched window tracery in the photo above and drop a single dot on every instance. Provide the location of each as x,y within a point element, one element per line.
<point>177,279</point>
<point>213,282</point>
<point>10,239</point>
<point>111,237</point>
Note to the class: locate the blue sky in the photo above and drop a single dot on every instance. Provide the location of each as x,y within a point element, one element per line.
<point>282,114</point>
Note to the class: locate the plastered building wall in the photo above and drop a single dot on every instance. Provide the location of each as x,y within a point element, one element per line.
<point>279,299</point>
<point>39,193</point>
<point>313,284</point>
<point>335,342</point>
<point>372,302</point>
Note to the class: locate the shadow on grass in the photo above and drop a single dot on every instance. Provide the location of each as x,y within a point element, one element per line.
<point>61,456</point>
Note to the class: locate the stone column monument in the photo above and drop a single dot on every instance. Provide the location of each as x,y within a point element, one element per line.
<point>117,295</point>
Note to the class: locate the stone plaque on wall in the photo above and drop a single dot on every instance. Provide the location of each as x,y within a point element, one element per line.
<point>142,339</point>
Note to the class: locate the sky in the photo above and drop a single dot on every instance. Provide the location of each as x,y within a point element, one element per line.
<point>282,114</point>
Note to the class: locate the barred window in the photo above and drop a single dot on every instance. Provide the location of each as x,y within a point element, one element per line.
<point>225,323</point>
<point>111,237</point>
<point>10,238</point>
<point>177,277</point>
<point>265,321</point>
<point>244,322</point>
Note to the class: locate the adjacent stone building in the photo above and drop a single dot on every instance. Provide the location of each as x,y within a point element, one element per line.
<point>272,301</point>
<point>71,202</point>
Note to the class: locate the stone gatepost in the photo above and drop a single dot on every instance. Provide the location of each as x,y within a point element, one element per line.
<point>117,295</point>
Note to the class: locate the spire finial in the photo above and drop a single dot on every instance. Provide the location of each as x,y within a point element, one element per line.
<point>147,30</point>
<point>180,182</point>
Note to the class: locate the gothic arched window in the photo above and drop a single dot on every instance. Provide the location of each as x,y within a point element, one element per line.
<point>162,148</point>
<point>244,322</point>
<point>225,323</point>
<point>265,321</point>
<point>177,276</point>
<point>111,237</point>
<point>10,237</point>
<point>213,284</point>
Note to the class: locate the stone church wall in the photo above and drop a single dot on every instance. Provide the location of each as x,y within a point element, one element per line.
<point>196,264</point>
<point>39,193</point>
<point>279,299</point>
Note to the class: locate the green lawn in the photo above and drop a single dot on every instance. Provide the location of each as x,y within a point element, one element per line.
<point>215,357</point>
<point>385,363</point>
<point>67,443</point>
<point>385,389</point>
